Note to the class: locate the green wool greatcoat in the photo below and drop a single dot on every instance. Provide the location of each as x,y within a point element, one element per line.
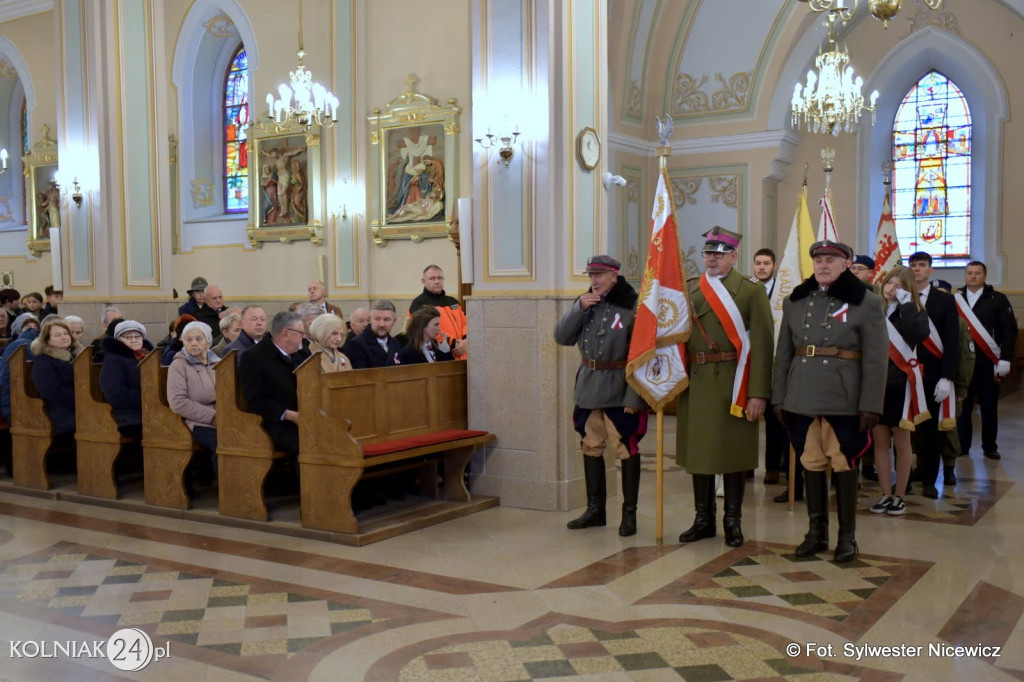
<point>709,440</point>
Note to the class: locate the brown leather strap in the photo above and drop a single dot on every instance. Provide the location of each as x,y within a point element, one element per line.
<point>703,332</point>
<point>611,364</point>
<point>707,358</point>
<point>828,352</point>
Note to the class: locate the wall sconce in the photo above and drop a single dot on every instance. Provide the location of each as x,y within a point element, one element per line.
<point>342,214</point>
<point>3,159</point>
<point>505,151</point>
<point>76,193</point>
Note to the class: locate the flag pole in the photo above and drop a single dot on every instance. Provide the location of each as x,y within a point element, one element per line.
<point>663,152</point>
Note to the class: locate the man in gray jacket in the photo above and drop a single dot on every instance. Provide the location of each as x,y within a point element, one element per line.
<point>829,386</point>
<point>600,323</point>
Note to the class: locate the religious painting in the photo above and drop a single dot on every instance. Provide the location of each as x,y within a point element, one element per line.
<point>417,151</point>
<point>285,191</point>
<point>43,194</point>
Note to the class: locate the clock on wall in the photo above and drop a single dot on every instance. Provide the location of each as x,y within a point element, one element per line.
<point>588,148</point>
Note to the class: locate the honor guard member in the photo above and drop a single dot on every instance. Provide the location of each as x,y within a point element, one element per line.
<point>993,326</point>
<point>600,323</point>
<point>829,388</point>
<point>730,359</point>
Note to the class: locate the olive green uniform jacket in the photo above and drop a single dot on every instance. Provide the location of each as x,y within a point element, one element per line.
<point>709,440</point>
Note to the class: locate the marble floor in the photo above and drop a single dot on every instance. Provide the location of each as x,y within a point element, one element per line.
<point>510,594</point>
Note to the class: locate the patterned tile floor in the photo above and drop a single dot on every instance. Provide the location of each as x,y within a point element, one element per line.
<point>510,594</point>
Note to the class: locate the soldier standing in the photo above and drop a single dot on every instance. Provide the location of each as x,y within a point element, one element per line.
<point>730,359</point>
<point>829,387</point>
<point>600,323</point>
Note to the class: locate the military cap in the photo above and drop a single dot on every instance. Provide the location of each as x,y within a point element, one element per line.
<point>198,284</point>
<point>720,240</point>
<point>602,263</point>
<point>827,247</point>
<point>866,261</point>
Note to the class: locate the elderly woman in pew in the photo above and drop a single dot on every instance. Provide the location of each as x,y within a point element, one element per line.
<point>328,333</point>
<point>423,330</point>
<point>54,377</point>
<point>191,391</point>
<point>119,376</point>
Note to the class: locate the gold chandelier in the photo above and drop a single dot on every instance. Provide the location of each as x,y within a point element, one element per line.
<point>883,10</point>
<point>306,102</point>
<point>831,101</point>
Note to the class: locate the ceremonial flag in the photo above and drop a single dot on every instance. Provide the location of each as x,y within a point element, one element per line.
<point>796,264</point>
<point>655,367</point>
<point>827,224</point>
<point>887,248</point>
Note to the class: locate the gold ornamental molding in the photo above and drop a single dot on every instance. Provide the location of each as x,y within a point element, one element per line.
<point>633,100</point>
<point>684,190</point>
<point>690,98</point>
<point>7,70</point>
<point>221,26</point>
<point>202,193</point>
<point>923,17</point>
<point>723,189</point>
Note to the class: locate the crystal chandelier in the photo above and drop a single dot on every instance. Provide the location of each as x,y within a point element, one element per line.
<point>831,101</point>
<point>883,10</point>
<point>305,103</point>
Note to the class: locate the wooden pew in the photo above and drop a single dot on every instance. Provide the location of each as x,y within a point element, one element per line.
<point>167,443</point>
<point>31,430</point>
<point>244,450</point>
<point>353,422</point>
<point>99,441</point>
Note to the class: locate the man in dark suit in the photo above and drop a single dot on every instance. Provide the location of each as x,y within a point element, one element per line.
<point>938,355</point>
<point>375,347</point>
<point>994,345</point>
<point>213,308</point>
<point>268,384</point>
<point>317,291</point>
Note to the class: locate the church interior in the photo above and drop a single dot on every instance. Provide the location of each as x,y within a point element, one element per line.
<point>142,150</point>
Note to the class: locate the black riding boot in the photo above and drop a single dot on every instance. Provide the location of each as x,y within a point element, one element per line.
<point>630,493</point>
<point>704,504</point>
<point>734,484</point>
<point>816,539</point>
<point>846,503</point>
<point>597,493</point>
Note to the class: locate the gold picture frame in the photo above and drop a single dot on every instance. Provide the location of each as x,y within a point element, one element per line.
<point>416,165</point>
<point>285,184</point>
<point>43,193</point>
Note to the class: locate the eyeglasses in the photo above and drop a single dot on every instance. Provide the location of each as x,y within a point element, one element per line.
<point>715,254</point>
<point>297,331</point>
<point>131,337</point>
<point>858,268</point>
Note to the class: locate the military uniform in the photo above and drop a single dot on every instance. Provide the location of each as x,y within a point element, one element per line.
<point>602,333</point>
<point>830,367</point>
<point>710,439</point>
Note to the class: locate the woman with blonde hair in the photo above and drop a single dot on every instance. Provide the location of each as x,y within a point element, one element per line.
<point>53,375</point>
<point>904,407</point>
<point>328,334</point>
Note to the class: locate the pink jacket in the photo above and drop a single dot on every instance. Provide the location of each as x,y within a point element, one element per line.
<point>191,391</point>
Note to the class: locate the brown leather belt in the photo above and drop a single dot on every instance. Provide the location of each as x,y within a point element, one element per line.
<point>707,358</point>
<point>611,364</point>
<point>828,352</point>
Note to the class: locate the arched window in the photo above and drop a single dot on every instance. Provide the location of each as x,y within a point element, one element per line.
<point>236,117</point>
<point>931,174</point>
<point>23,122</point>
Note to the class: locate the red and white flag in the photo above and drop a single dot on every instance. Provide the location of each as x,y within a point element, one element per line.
<point>887,248</point>
<point>827,224</point>
<point>656,367</point>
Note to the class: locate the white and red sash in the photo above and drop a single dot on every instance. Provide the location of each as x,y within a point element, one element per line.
<point>947,408</point>
<point>915,408</point>
<point>729,316</point>
<point>982,339</point>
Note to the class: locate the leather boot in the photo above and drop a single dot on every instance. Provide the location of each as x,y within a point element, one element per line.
<point>846,503</point>
<point>630,492</point>
<point>704,504</point>
<point>597,493</point>
<point>734,484</point>
<point>816,539</point>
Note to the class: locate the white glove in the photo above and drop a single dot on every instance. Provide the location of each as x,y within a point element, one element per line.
<point>903,296</point>
<point>943,389</point>
<point>1003,368</point>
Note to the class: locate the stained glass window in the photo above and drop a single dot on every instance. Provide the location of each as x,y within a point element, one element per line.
<point>24,152</point>
<point>236,117</point>
<point>931,175</point>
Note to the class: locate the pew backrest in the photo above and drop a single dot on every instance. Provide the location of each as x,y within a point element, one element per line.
<point>163,428</point>
<point>28,413</point>
<point>94,417</point>
<point>238,432</point>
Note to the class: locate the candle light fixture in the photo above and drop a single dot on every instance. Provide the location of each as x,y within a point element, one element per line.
<point>305,102</point>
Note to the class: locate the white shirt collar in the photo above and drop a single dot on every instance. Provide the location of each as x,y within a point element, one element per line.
<point>924,293</point>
